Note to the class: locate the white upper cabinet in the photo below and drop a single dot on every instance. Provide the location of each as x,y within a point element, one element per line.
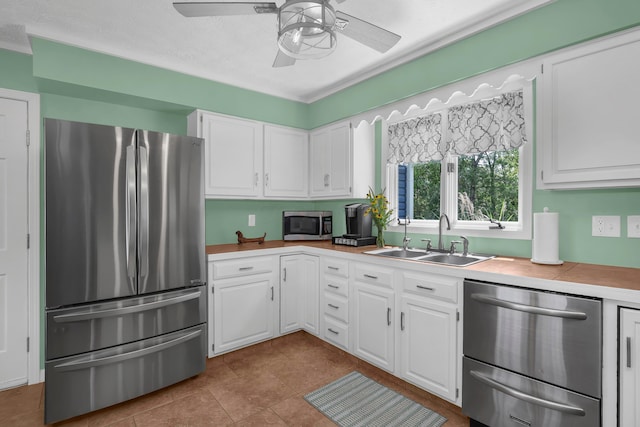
<point>588,115</point>
<point>331,161</point>
<point>286,162</point>
<point>233,154</point>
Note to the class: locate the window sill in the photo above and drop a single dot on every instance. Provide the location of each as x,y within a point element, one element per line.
<point>509,232</point>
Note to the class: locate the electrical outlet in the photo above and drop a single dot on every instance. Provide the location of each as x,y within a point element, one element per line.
<point>252,220</point>
<point>633,226</point>
<point>605,226</point>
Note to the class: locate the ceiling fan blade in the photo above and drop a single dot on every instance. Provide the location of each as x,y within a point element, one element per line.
<point>340,1</point>
<point>283,60</point>
<point>193,9</point>
<point>366,33</point>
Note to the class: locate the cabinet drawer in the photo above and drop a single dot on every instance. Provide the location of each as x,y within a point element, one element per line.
<point>336,267</point>
<point>336,285</point>
<point>374,274</point>
<point>336,306</point>
<point>336,332</point>
<point>242,267</point>
<point>432,286</point>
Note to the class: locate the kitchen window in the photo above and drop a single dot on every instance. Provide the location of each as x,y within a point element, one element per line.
<point>469,159</point>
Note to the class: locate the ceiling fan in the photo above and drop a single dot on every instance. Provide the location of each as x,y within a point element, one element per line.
<point>306,28</point>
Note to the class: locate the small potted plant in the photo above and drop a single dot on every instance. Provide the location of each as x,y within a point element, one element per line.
<point>380,213</point>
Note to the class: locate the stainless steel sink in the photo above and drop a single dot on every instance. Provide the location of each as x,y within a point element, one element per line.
<point>434,256</point>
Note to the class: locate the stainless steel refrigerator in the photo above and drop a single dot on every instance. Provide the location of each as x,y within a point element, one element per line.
<point>125,264</point>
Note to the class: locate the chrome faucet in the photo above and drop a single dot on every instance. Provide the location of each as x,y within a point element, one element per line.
<point>405,239</point>
<point>440,244</point>
<point>465,246</point>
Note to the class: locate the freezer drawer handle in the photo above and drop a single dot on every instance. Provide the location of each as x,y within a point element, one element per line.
<point>561,407</point>
<point>110,360</point>
<point>113,312</point>
<point>576,315</point>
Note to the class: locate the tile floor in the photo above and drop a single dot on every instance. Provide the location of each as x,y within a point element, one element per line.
<point>256,386</point>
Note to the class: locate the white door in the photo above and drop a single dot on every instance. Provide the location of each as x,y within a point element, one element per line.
<point>13,243</point>
<point>374,336</point>
<point>286,160</point>
<point>629,371</point>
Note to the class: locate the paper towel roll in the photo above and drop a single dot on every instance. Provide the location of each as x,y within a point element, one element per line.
<point>545,243</point>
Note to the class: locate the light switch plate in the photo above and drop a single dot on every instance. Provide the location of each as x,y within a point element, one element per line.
<point>633,226</point>
<point>252,220</point>
<point>605,226</point>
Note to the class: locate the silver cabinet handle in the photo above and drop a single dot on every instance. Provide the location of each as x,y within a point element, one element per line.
<point>333,286</point>
<point>333,332</point>
<point>388,316</point>
<point>256,180</point>
<point>266,179</point>
<point>556,406</point>
<point>272,293</point>
<point>110,360</point>
<point>369,276</point>
<point>245,268</point>
<point>326,179</point>
<point>113,312</point>
<point>130,212</point>
<point>284,278</point>
<point>330,267</point>
<point>576,315</point>
<point>402,321</point>
<point>333,306</point>
<point>628,352</point>
<point>426,288</point>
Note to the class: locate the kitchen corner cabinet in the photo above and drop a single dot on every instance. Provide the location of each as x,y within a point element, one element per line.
<point>629,368</point>
<point>299,288</point>
<point>373,315</point>
<point>244,305</point>
<point>233,154</point>
<point>428,332</point>
<point>588,114</point>
<point>331,161</point>
<point>286,161</point>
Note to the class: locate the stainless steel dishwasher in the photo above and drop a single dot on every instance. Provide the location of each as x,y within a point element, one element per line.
<point>531,358</point>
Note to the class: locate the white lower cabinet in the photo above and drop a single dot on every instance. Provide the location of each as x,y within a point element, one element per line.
<point>299,289</point>
<point>372,319</point>
<point>629,368</point>
<point>334,302</point>
<point>243,303</point>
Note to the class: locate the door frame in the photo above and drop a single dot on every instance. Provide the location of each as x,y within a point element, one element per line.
<point>34,373</point>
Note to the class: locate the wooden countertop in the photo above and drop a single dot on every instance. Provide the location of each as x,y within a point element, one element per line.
<point>591,274</point>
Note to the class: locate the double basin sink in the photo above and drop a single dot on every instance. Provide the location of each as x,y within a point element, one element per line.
<point>433,256</point>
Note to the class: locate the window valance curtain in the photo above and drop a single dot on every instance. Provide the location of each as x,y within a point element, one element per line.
<point>495,124</point>
<point>488,125</point>
<point>416,140</point>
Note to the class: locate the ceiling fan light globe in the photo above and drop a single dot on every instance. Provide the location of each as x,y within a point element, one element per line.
<point>305,29</point>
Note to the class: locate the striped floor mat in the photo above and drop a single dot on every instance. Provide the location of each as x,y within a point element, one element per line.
<point>355,400</point>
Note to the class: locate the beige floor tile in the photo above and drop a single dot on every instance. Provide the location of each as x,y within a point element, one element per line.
<point>199,409</point>
<point>295,411</point>
<point>264,418</point>
<point>107,416</point>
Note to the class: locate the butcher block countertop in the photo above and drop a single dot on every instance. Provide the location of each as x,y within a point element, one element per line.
<point>621,278</point>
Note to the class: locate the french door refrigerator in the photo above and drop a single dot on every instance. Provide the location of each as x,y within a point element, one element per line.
<point>125,264</point>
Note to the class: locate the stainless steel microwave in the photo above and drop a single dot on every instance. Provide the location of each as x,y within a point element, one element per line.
<point>307,225</point>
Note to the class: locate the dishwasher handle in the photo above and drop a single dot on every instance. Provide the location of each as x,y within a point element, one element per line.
<point>566,314</point>
<point>556,406</point>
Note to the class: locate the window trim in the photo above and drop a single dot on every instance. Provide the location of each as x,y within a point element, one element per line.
<point>449,197</point>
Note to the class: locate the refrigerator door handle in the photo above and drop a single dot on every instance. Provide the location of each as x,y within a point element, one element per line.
<point>144,213</point>
<point>85,364</point>
<point>113,312</point>
<point>130,213</point>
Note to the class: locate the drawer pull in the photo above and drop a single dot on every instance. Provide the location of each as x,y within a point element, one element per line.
<point>245,268</point>
<point>402,321</point>
<point>556,406</point>
<point>333,286</point>
<point>388,316</point>
<point>628,352</point>
<point>330,267</point>
<point>333,332</point>
<point>426,288</point>
<point>566,314</point>
<point>333,306</point>
<point>369,276</point>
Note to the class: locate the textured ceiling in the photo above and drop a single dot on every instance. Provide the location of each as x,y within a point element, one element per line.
<point>239,50</point>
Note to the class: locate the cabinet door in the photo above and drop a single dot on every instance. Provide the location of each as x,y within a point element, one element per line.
<point>299,292</point>
<point>629,368</point>
<point>588,113</point>
<point>331,161</point>
<point>233,156</point>
<point>428,345</point>
<point>243,311</point>
<point>373,326</point>
<point>286,160</point>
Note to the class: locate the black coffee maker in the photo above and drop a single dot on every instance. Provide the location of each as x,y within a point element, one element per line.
<point>358,226</point>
